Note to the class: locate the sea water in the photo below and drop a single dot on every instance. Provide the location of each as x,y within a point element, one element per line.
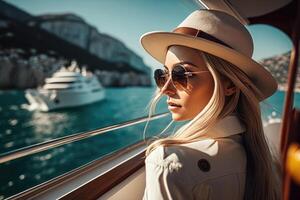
<point>20,128</point>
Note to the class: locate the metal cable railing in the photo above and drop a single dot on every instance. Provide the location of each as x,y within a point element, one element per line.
<point>71,138</point>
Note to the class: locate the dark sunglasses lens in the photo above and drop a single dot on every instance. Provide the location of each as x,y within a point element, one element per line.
<point>178,76</point>
<point>160,77</point>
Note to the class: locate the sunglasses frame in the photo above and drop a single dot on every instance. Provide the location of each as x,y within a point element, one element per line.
<point>187,74</point>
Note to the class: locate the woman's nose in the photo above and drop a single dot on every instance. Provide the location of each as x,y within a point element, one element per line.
<point>168,88</point>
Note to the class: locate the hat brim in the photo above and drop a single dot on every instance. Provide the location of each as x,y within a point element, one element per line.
<point>156,43</point>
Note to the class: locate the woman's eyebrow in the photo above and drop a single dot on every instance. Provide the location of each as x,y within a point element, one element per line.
<point>189,64</point>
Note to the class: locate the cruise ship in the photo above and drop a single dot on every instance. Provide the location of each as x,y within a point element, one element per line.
<point>68,87</point>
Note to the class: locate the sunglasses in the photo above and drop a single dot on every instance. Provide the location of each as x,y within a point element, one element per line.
<point>179,76</point>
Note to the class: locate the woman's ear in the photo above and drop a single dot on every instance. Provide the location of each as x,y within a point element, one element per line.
<point>228,87</point>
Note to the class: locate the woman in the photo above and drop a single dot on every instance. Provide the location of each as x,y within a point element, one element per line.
<point>211,82</point>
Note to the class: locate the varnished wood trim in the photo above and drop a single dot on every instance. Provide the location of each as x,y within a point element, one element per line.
<point>289,97</point>
<point>104,183</point>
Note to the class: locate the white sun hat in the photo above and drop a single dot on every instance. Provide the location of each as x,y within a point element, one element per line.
<point>217,33</point>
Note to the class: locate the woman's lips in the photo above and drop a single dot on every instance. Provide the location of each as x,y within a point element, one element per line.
<point>173,106</point>
<point>170,103</point>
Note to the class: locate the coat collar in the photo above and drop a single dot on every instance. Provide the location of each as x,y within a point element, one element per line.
<point>225,127</point>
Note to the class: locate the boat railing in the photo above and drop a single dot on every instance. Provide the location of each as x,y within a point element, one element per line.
<point>36,148</point>
<point>91,180</point>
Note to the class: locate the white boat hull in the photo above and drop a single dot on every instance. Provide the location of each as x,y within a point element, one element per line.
<point>46,100</point>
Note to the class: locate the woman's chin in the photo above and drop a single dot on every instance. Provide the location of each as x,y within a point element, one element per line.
<point>177,117</point>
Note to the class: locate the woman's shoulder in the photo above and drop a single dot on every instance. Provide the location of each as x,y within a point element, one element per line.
<point>207,157</point>
<point>214,148</point>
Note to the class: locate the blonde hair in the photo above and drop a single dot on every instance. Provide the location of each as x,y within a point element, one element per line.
<point>263,181</point>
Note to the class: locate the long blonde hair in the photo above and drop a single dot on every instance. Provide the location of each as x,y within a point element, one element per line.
<point>263,181</point>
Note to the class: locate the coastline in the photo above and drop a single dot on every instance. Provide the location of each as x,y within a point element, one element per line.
<point>283,87</point>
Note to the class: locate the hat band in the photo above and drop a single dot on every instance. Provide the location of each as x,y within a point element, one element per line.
<point>198,33</point>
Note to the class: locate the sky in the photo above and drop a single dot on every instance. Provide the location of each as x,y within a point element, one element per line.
<point>127,20</point>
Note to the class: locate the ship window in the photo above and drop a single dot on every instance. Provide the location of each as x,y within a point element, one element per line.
<point>273,52</point>
<point>61,88</point>
<point>70,82</point>
<point>96,90</point>
<point>56,101</point>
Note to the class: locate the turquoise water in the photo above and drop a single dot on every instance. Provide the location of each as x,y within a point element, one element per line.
<point>20,127</point>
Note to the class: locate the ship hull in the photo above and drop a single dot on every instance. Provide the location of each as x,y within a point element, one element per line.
<point>47,100</point>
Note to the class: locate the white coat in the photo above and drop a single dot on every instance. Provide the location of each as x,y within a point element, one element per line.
<point>210,168</point>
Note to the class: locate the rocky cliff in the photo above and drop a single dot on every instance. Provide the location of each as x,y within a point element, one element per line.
<point>34,47</point>
<point>74,29</point>
<point>278,66</point>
